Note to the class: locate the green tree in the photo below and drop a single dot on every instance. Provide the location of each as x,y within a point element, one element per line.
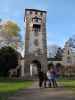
<point>8,60</point>
<point>10,32</point>
<point>11,28</point>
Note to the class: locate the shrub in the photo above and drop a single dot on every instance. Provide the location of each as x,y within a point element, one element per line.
<point>8,60</point>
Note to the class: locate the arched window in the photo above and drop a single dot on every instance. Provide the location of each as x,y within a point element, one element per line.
<point>68,59</point>
<point>36,19</point>
<point>68,52</point>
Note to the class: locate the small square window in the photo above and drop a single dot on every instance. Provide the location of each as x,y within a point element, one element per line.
<point>41,13</point>
<point>36,12</point>
<point>30,12</point>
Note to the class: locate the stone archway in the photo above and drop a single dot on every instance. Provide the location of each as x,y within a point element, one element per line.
<point>35,68</point>
<point>39,61</point>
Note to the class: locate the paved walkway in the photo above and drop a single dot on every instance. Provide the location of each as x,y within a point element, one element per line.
<point>34,93</point>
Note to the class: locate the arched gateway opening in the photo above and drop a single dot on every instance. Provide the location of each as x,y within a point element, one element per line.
<point>35,68</point>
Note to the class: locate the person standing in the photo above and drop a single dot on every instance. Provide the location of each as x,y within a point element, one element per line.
<point>49,78</point>
<point>41,78</point>
<point>53,77</point>
<point>45,79</point>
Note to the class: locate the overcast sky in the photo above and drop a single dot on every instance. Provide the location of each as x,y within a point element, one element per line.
<point>60,16</point>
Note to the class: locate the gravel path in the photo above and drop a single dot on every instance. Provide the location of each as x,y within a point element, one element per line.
<point>34,93</point>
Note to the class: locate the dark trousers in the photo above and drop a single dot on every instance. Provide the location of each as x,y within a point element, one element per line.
<point>54,83</point>
<point>40,83</point>
<point>49,82</point>
<point>45,83</point>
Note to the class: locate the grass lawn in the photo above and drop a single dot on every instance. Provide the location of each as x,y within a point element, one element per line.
<point>9,87</point>
<point>68,84</point>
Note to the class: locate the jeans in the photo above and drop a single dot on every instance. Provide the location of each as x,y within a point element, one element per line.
<point>49,82</point>
<point>54,83</point>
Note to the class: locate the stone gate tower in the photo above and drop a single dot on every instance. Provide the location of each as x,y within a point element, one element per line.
<point>35,40</point>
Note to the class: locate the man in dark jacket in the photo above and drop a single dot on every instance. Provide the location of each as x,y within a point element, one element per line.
<point>41,78</point>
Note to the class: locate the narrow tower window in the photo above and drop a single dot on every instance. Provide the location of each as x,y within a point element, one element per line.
<point>68,52</point>
<point>36,28</point>
<point>30,12</point>
<point>36,12</point>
